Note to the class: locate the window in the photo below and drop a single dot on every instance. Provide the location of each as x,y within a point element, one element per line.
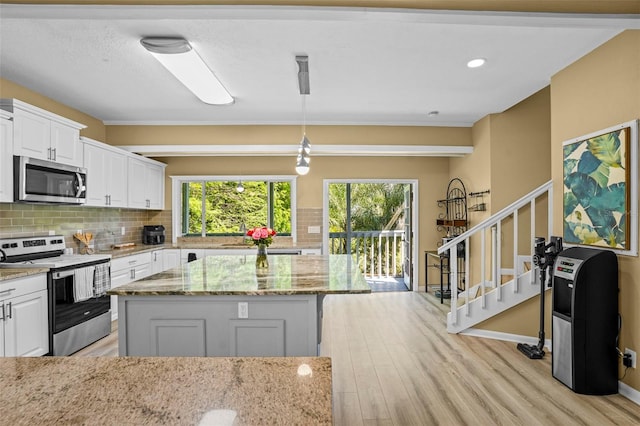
<point>212,206</point>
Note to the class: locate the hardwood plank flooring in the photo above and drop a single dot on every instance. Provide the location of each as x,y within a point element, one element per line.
<point>395,364</point>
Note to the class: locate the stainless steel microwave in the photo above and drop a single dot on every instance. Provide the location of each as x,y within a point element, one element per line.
<point>42,181</point>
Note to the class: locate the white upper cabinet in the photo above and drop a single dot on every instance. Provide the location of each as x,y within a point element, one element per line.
<point>6,157</point>
<point>106,174</point>
<point>41,134</point>
<point>146,183</point>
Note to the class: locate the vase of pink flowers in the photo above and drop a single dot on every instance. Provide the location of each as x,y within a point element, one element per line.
<point>261,237</point>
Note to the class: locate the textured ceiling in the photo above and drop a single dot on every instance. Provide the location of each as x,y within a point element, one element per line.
<point>366,66</point>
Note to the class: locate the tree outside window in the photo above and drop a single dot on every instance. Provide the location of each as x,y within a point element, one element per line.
<point>211,208</point>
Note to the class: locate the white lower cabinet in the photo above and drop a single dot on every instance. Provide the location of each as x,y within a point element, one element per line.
<point>128,269</point>
<point>24,316</point>
<point>171,258</point>
<point>157,261</point>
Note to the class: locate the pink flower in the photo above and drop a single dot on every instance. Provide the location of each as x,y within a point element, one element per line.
<point>264,233</point>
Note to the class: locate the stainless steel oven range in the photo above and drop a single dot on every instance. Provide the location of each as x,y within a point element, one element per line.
<point>78,306</point>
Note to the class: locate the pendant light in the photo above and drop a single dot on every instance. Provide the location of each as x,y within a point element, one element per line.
<point>304,150</point>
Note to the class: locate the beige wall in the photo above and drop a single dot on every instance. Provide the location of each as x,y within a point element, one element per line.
<point>95,128</point>
<point>432,174</point>
<point>598,91</point>
<point>511,157</point>
<point>283,135</point>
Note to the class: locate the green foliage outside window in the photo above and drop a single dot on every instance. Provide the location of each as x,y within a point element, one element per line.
<point>226,209</point>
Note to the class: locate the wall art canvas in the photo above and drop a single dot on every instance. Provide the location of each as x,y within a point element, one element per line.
<point>597,188</point>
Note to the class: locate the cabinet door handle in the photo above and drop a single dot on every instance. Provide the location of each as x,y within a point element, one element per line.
<point>3,318</point>
<point>9,290</point>
<point>9,307</point>
<point>54,154</point>
<point>49,154</point>
<point>106,200</point>
<point>109,199</point>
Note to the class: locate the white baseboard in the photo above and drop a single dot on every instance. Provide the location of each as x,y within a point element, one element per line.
<point>629,392</point>
<point>508,337</point>
<point>623,389</point>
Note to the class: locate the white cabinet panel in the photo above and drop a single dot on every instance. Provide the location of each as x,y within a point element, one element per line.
<point>44,135</point>
<point>125,270</point>
<point>171,259</point>
<point>65,144</point>
<point>6,158</point>
<point>107,174</point>
<point>146,184</point>
<point>157,261</point>
<point>26,331</point>
<point>24,316</point>
<point>32,135</point>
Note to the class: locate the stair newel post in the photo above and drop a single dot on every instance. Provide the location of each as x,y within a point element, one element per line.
<point>515,252</point>
<point>494,261</point>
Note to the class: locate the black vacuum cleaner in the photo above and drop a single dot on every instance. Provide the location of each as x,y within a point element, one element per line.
<point>544,256</point>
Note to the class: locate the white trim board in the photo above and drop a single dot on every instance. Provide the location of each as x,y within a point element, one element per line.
<point>623,389</point>
<point>177,150</point>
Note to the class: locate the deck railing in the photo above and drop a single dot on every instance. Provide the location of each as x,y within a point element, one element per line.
<point>379,253</point>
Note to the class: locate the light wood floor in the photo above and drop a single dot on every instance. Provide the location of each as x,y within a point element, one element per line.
<point>395,364</point>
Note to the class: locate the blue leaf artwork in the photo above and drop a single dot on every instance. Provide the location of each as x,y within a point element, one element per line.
<point>595,190</point>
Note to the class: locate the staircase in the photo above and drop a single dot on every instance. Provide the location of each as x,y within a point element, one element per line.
<point>501,264</point>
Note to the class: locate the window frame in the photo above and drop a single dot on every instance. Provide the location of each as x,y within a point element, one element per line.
<point>176,196</point>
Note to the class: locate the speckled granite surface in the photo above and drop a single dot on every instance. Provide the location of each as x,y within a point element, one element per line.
<point>237,275</point>
<point>165,391</point>
<point>10,274</point>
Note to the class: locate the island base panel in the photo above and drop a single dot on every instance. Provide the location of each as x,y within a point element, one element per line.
<point>210,325</point>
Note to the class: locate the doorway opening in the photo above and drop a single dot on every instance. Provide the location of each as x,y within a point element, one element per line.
<point>374,221</point>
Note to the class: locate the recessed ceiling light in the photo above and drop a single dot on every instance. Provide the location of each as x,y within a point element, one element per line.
<point>475,63</point>
<point>433,113</point>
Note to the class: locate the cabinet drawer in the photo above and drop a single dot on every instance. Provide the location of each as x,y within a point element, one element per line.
<point>129,262</point>
<point>21,286</point>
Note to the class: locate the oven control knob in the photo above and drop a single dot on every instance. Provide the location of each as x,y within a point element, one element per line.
<point>14,245</point>
<point>5,245</point>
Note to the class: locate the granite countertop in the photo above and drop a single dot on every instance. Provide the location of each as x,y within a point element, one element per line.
<point>237,275</point>
<point>10,274</point>
<point>165,390</point>
<point>142,248</point>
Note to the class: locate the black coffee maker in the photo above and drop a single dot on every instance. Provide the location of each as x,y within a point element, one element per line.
<point>153,234</point>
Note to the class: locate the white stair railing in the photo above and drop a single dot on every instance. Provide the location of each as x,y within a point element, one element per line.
<point>471,304</point>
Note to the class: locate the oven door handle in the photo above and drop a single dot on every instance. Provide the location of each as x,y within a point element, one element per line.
<point>63,274</point>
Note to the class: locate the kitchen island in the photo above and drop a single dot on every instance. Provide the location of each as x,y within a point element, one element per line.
<point>169,391</point>
<point>224,306</point>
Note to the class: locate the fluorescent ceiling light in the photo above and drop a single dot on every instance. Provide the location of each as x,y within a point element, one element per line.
<point>177,56</point>
<point>475,63</point>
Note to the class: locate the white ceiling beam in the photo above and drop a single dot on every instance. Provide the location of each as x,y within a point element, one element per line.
<point>292,150</point>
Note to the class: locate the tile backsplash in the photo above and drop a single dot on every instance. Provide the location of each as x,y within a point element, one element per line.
<point>25,220</point>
